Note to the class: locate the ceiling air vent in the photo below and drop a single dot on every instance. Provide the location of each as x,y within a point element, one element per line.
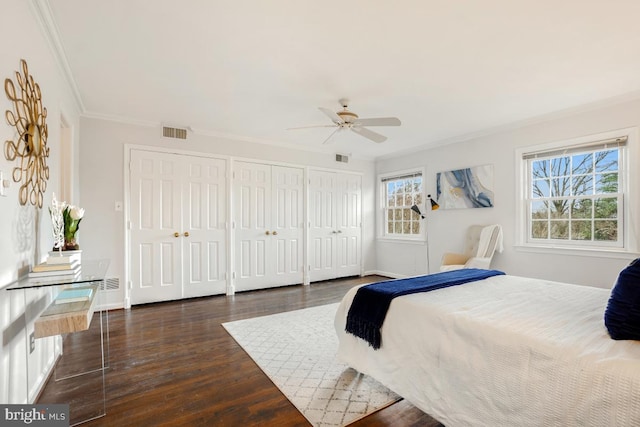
<point>342,158</point>
<point>171,132</point>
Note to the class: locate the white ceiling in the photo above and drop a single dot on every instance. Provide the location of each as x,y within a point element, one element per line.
<point>250,68</point>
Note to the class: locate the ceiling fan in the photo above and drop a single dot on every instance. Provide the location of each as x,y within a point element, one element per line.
<point>346,119</point>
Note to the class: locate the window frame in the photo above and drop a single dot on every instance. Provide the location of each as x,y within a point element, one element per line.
<point>627,178</point>
<point>383,233</point>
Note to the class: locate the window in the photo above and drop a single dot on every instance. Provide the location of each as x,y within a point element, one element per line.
<point>399,193</point>
<point>574,195</point>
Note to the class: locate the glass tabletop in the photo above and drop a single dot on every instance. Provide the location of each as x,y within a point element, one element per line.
<point>90,271</point>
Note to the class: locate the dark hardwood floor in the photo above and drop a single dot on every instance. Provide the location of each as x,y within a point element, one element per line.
<point>174,364</point>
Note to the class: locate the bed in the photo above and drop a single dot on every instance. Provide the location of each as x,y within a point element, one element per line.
<point>503,351</point>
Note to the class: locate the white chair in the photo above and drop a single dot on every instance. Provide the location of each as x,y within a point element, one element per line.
<point>480,244</point>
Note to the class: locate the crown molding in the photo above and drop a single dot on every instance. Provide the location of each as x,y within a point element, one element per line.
<point>44,16</point>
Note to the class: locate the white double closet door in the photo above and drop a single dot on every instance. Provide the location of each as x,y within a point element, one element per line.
<point>268,206</point>
<point>178,230</point>
<point>335,225</point>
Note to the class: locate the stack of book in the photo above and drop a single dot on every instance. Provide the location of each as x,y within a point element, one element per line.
<point>58,266</point>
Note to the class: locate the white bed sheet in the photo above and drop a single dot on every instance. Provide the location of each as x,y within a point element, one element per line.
<point>504,351</point>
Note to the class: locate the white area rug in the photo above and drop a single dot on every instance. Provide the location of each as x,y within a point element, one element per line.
<point>297,350</point>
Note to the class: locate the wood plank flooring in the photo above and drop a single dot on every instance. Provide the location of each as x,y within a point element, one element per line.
<point>174,364</point>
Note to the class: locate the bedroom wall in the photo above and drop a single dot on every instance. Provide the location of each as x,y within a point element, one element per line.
<point>446,228</point>
<point>25,230</point>
<point>102,174</point>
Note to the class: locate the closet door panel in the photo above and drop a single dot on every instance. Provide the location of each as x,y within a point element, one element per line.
<point>155,217</point>
<point>322,224</point>
<point>204,219</point>
<point>287,207</point>
<point>252,210</point>
<point>349,219</point>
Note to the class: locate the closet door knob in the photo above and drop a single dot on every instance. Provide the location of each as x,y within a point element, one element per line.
<point>176,234</point>
<point>339,231</point>
<point>186,234</point>
<point>275,233</point>
<point>267,232</point>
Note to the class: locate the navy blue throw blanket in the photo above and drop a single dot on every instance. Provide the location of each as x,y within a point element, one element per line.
<point>370,305</point>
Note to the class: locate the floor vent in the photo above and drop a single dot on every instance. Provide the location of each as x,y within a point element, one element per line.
<point>112,283</point>
<point>342,158</point>
<point>169,132</point>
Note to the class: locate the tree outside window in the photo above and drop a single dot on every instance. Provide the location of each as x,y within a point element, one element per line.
<point>576,197</point>
<point>400,193</point>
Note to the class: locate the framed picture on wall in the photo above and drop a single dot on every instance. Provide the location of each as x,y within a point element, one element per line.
<point>465,188</point>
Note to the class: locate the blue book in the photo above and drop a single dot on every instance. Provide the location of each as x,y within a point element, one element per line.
<point>74,295</point>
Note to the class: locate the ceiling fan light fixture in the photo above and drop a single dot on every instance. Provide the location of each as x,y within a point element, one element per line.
<point>347,116</point>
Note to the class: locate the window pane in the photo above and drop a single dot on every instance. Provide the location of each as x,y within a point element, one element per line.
<point>415,227</point>
<point>582,163</point>
<point>559,230</point>
<point>582,185</point>
<point>390,214</point>
<point>398,214</point>
<point>606,208</point>
<point>581,208</point>
<point>540,169</point>
<point>406,214</point>
<point>539,229</point>
<point>606,230</point>
<point>539,210</point>
<point>399,199</point>
<point>390,227</point>
<point>606,161</point>
<point>540,188</point>
<point>606,183</point>
<point>560,187</point>
<point>581,230</point>
<point>406,228</point>
<point>408,200</point>
<point>559,209</point>
<point>398,227</point>
<point>391,200</point>
<point>560,166</point>
<point>418,199</point>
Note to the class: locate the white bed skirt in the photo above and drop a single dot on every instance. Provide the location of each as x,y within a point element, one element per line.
<point>505,351</point>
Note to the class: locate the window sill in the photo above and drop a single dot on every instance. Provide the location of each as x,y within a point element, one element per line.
<point>585,252</point>
<point>417,241</point>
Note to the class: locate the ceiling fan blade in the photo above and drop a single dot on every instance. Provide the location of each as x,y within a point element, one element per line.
<point>331,136</point>
<point>379,121</point>
<point>369,134</point>
<point>332,115</point>
<point>312,126</point>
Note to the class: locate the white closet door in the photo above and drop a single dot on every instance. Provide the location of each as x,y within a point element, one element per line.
<point>287,225</point>
<point>178,226</point>
<point>349,225</point>
<point>323,229</point>
<point>156,273</point>
<point>252,212</point>
<point>204,219</point>
<point>335,232</point>
<point>268,209</point>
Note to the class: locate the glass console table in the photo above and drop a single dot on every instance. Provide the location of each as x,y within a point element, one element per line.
<point>84,345</point>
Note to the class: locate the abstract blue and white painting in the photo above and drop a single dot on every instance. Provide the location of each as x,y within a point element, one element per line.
<point>466,188</point>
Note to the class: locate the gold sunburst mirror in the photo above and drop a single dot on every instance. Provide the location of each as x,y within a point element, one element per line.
<point>30,148</point>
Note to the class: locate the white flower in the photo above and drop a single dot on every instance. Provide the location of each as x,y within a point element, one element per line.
<point>76,213</point>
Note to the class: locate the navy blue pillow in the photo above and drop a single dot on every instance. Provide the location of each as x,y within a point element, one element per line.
<point>622,316</point>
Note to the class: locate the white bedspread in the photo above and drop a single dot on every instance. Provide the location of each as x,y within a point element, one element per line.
<point>505,351</point>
